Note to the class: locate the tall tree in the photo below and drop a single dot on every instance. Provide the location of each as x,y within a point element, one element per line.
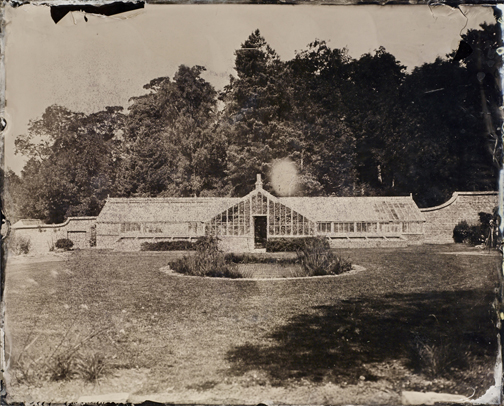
<point>455,143</point>
<point>271,113</point>
<point>72,161</point>
<point>371,94</point>
<point>171,150</point>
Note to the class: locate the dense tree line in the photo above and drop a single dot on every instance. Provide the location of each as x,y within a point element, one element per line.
<point>351,126</point>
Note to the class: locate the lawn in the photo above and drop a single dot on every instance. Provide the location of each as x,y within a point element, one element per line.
<point>417,318</point>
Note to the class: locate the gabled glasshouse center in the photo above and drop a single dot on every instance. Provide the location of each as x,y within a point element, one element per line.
<point>246,224</point>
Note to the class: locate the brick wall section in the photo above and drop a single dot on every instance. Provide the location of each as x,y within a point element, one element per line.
<point>368,243</point>
<point>43,237</point>
<point>441,220</point>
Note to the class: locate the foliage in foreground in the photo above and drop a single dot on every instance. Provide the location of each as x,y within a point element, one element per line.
<point>208,260</point>
<point>317,259</point>
<point>74,357</point>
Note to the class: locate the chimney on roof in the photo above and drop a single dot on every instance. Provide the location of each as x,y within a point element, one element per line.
<point>259,183</point>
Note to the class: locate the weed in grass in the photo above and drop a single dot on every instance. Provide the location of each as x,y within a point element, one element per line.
<point>438,359</point>
<point>91,365</point>
<point>61,367</point>
<point>26,370</point>
<point>76,357</point>
<point>71,358</point>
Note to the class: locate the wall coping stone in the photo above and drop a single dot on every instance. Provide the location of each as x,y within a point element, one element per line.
<point>65,223</point>
<point>454,198</point>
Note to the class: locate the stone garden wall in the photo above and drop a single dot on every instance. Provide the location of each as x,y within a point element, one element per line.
<point>441,220</point>
<point>42,237</point>
<point>439,225</point>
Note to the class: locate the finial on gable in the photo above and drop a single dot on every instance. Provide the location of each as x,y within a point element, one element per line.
<point>259,183</point>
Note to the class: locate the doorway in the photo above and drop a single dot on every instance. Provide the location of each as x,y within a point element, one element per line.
<point>260,230</point>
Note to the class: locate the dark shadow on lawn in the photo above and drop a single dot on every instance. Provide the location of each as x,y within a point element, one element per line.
<point>336,341</point>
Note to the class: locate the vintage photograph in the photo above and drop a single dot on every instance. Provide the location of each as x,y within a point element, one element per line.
<point>252,204</point>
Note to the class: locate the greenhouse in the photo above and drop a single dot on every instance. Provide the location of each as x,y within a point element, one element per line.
<point>246,224</point>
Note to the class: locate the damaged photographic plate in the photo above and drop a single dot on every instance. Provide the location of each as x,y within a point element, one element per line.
<point>252,204</point>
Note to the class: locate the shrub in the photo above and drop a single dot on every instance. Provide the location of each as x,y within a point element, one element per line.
<point>292,244</point>
<point>64,244</point>
<point>20,245</point>
<point>169,246</point>
<point>208,260</point>
<point>317,259</point>
<point>470,234</point>
<point>477,236</point>
<point>461,232</point>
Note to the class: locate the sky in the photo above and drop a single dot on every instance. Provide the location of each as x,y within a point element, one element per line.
<point>86,66</point>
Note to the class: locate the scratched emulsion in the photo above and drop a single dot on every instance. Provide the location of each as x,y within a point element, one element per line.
<point>500,51</point>
<point>284,177</point>
<point>498,366</point>
<point>219,315</point>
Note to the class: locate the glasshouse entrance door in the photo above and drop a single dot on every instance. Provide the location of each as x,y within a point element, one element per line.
<point>260,227</point>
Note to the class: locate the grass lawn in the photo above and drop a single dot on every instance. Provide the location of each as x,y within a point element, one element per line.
<point>416,319</point>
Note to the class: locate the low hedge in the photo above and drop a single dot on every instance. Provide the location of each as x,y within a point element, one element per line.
<point>169,246</point>
<point>258,259</point>
<point>292,244</point>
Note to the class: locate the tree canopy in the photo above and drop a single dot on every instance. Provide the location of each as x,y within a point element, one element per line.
<point>351,126</point>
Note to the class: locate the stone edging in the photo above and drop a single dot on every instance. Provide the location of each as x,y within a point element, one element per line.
<point>355,269</point>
